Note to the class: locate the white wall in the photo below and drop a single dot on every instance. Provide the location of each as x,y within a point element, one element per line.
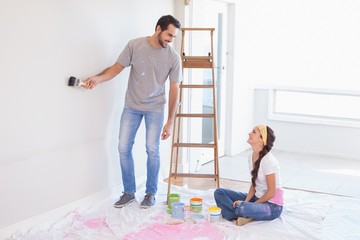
<point>58,143</point>
<point>309,43</point>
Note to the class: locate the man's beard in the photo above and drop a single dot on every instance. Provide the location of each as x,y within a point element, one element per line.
<point>161,41</point>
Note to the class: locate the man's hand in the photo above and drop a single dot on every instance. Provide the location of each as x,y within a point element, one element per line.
<point>90,82</point>
<point>107,74</point>
<point>166,132</point>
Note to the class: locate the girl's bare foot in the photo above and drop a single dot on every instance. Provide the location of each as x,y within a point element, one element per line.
<point>240,221</point>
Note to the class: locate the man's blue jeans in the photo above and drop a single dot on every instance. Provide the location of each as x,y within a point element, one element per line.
<point>129,124</point>
<point>258,211</point>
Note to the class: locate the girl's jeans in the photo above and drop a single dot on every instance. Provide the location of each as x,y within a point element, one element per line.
<point>258,211</point>
<point>129,124</point>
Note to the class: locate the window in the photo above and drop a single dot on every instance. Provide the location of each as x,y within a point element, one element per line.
<point>315,106</point>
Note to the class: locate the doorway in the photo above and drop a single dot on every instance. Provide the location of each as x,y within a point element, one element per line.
<point>206,14</point>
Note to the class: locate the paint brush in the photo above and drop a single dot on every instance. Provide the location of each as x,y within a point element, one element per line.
<point>75,82</point>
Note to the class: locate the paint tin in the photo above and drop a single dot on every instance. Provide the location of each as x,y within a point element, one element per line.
<point>196,205</point>
<point>177,210</point>
<point>214,214</point>
<point>172,198</point>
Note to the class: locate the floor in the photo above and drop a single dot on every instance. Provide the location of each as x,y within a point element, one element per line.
<point>312,173</point>
<point>299,171</point>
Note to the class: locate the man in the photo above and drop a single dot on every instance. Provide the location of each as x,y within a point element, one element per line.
<point>152,62</point>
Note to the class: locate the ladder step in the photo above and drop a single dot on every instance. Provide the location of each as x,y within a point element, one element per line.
<point>195,86</point>
<point>197,61</point>
<point>196,58</point>
<point>197,64</point>
<point>193,175</point>
<point>195,115</point>
<point>197,29</point>
<point>194,145</point>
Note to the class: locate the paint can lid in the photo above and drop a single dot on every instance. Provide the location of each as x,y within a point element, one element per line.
<point>195,199</point>
<point>214,209</point>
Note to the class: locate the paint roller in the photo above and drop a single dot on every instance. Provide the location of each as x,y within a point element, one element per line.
<point>75,82</point>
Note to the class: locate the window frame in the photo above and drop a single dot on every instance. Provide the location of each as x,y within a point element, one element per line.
<point>308,118</point>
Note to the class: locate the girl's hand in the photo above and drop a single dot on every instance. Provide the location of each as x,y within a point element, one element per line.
<point>238,202</point>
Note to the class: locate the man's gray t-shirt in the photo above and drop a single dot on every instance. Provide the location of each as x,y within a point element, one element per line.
<point>150,68</point>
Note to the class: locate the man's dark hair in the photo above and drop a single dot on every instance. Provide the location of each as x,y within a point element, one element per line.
<point>165,21</point>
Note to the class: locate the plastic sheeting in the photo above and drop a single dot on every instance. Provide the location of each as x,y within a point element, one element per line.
<point>306,215</point>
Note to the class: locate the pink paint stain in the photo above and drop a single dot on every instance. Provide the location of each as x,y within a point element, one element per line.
<point>183,231</point>
<point>95,223</point>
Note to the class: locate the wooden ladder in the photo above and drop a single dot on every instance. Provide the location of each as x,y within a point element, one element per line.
<point>194,62</point>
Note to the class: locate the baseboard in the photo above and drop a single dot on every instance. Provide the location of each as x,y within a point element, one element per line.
<point>299,151</point>
<point>57,213</point>
<point>325,154</point>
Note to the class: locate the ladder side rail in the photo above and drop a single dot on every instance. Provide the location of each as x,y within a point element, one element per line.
<point>178,132</point>
<point>216,157</point>
<point>176,126</point>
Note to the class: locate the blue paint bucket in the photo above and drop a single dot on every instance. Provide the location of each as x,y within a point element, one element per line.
<point>177,210</point>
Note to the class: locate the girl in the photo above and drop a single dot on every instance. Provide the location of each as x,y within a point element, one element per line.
<point>264,199</point>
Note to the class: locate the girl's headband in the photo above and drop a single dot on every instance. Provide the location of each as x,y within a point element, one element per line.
<point>263,132</point>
